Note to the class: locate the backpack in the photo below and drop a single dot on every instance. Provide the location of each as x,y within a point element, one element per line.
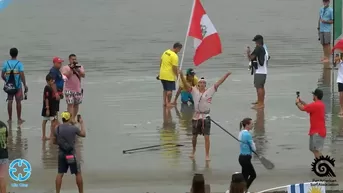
<point>10,86</point>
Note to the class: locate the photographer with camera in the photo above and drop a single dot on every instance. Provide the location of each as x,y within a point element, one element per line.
<point>65,136</point>
<point>73,91</point>
<point>316,110</point>
<point>259,61</point>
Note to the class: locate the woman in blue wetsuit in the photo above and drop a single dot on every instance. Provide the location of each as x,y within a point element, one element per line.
<point>246,146</point>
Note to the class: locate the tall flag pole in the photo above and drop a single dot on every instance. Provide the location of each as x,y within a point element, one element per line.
<point>186,38</point>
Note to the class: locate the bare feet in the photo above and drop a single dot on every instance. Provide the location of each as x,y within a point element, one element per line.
<point>9,121</point>
<point>207,158</point>
<point>258,106</point>
<point>254,103</point>
<point>20,121</point>
<point>45,138</point>
<point>191,156</point>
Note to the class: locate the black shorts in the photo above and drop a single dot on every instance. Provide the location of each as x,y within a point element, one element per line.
<point>340,87</point>
<point>168,85</point>
<point>57,105</point>
<point>201,126</point>
<point>63,165</point>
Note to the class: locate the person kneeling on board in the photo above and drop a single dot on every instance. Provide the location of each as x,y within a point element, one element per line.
<point>201,121</point>
<point>186,96</point>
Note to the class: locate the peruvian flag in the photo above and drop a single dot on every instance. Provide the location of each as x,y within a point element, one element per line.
<point>206,38</point>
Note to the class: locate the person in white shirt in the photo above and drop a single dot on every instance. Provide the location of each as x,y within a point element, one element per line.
<point>339,64</point>
<point>259,62</point>
<point>201,121</point>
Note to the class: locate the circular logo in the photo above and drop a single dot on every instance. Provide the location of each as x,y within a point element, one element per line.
<point>19,170</point>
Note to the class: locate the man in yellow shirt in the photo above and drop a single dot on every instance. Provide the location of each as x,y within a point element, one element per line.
<point>185,95</point>
<point>169,71</point>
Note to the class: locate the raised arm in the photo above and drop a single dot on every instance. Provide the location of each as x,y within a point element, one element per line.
<point>220,81</point>
<point>184,81</point>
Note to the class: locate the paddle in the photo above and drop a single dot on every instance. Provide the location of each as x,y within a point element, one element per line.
<point>150,147</point>
<point>266,163</point>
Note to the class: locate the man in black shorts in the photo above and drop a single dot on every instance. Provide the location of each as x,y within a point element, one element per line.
<point>169,71</point>
<point>65,136</point>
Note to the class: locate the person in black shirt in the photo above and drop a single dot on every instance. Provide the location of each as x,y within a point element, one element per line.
<point>49,110</point>
<point>3,156</point>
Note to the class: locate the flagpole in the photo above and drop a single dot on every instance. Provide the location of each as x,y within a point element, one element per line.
<point>186,38</point>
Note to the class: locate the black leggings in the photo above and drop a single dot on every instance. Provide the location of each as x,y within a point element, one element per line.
<point>248,170</point>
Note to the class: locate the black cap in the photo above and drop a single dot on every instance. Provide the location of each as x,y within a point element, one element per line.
<point>318,93</point>
<point>190,71</point>
<point>237,178</point>
<point>257,37</point>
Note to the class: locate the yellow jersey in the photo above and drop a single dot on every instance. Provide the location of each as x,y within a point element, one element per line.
<point>195,82</point>
<point>168,59</point>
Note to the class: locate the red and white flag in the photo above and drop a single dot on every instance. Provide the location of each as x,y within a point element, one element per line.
<point>338,46</point>
<point>206,38</point>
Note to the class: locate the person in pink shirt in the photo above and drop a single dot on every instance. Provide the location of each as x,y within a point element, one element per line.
<point>73,92</point>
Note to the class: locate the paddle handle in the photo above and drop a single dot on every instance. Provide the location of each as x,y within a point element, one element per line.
<point>148,147</point>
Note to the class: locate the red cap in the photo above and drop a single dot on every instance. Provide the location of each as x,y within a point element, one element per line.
<point>57,60</point>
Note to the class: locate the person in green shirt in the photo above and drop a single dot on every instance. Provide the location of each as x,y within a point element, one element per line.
<point>186,96</point>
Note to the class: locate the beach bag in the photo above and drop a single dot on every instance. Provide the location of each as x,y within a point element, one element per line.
<point>10,86</point>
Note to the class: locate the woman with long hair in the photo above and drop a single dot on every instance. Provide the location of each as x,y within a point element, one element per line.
<point>246,146</point>
<point>198,184</point>
<point>238,184</point>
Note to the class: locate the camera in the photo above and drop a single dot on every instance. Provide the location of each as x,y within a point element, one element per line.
<point>298,94</point>
<point>76,65</point>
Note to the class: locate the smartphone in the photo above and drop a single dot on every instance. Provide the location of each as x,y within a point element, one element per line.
<point>298,94</point>
<point>78,118</point>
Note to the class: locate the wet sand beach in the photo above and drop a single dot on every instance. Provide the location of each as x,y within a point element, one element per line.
<point>120,42</point>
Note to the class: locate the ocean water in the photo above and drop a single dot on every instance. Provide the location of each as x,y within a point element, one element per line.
<point>120,42</point>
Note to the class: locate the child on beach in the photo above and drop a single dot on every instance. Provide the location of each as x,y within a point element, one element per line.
<point>49,111</point>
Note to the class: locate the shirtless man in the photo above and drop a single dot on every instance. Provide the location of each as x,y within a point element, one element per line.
<point>201,122</point>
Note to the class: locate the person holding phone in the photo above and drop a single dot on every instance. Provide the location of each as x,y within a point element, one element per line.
<point>65,137</point>
<point>317,131</point>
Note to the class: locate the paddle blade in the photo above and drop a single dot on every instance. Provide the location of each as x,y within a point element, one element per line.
<point>266,163</point>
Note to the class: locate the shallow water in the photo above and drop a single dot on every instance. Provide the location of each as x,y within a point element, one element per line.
<point>120,43</point>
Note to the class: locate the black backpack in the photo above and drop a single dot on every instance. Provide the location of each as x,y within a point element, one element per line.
<point>10,86</point>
